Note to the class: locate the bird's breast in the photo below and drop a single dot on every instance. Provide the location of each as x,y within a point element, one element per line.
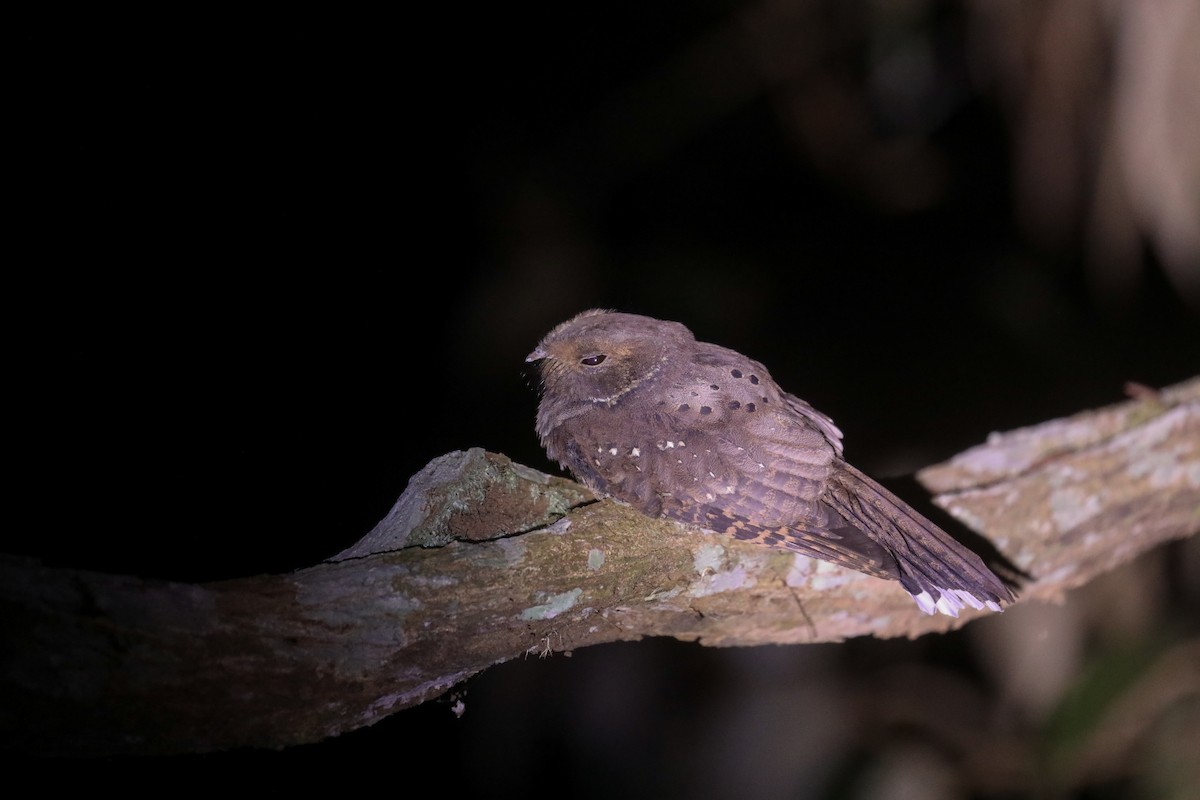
<point>639,459</point>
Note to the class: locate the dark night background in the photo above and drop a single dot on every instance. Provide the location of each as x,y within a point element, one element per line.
<point>262,271</point>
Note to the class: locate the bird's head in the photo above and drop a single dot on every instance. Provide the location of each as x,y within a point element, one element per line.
<point>600,356</point>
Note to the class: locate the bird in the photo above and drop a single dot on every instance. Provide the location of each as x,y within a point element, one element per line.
<point>641,412</point>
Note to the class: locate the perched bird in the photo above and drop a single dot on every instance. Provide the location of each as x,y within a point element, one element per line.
<point>640,411</point>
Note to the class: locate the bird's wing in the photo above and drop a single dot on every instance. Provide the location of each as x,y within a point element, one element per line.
<point>760,476</point>
<point>822,421</point>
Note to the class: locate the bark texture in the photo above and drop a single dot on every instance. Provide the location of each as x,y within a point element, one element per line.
<point>483,560</point>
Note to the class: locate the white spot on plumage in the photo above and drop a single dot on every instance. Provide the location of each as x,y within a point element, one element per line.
<point>967,598</point>
<point>635,452</point>
<point>952,601</point>
<point>925,602</point>
<point>612,451</point>
<point>949,605</point>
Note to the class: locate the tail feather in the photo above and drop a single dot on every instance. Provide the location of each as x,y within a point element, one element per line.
<point>941,574</point>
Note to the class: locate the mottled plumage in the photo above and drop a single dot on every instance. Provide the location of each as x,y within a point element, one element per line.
<point>638,410</point>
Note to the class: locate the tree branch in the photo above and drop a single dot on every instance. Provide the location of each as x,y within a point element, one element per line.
<point>483,560</point>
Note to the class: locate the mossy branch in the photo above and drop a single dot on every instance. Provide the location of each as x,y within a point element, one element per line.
<point>483,560</point>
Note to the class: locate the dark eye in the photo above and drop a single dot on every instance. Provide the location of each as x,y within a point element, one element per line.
<point>593,361</point>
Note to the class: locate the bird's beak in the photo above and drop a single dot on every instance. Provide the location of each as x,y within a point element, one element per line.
<point>537,355</point>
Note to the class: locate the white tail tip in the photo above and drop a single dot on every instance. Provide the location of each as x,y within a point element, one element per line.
<point>951,601</point>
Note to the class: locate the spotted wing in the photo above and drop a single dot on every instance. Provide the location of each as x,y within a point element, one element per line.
<point>763,479</point>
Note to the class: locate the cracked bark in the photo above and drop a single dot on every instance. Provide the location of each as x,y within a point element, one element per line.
<point>483,560</point>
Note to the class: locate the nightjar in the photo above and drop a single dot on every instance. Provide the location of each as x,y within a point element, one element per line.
<point>640,411</point>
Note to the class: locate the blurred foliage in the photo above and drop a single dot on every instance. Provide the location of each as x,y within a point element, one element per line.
<point>1129,716</point>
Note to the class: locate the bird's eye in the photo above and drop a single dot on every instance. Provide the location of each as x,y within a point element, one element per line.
<point>593,361</point>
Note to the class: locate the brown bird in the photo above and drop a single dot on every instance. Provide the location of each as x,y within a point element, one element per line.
<point>640,411</point>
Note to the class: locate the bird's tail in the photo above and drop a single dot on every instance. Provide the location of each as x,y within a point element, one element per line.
<point>941,574</point>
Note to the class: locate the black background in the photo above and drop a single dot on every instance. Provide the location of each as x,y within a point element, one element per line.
<point>264,270</point>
